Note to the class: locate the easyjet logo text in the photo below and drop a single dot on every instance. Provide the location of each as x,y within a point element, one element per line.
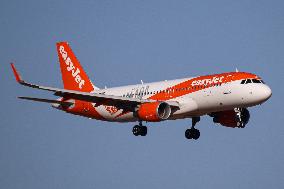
<point>71,68</point>
<point>213,80</point>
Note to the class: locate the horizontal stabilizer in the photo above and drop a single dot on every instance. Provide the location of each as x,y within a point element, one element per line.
<point>46,100</point>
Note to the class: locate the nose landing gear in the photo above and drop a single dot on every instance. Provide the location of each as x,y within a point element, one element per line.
<point>139,130</point>
<point>193,133</point>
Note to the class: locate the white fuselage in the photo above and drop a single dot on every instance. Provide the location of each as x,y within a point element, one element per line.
<point>206,97</point>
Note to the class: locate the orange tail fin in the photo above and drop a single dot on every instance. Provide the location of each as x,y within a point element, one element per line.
<point>73,75</point>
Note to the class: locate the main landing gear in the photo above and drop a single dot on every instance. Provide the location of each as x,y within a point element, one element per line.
<point>139,130</point>
<point>193,133</point>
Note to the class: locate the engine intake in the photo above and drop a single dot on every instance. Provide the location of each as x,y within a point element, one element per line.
<point>154,111</point>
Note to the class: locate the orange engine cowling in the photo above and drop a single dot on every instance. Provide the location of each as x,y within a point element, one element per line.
<point>232,118</point>
<point>154,111</point>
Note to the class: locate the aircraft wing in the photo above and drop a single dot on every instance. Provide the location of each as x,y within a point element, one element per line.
<point>121,102</point>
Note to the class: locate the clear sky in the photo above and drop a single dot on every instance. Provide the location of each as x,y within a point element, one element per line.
<point>120,43</point>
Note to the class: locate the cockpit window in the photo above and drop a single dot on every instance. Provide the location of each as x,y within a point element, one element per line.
<point>256,81</point>
<point>243,81</point>
<point>262,81</point>
<point>248,81</point>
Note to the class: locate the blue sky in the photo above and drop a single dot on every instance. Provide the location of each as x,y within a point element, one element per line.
<point>120,43</point>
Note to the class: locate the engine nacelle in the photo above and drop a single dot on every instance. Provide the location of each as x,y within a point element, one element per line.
<point>154,111</point>
<point>232,118</point>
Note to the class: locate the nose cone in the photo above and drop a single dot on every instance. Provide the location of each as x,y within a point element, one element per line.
<point>264,93</point>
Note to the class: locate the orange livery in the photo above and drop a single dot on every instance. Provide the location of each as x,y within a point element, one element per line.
<point>225,97</point>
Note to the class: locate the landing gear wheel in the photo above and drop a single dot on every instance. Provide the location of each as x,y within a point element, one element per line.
<point>136,130</point>
<point>196,134</point>
<point>192,133</point>
<point>143,131</point>
<point>188,134</point>
<point>139,130</point>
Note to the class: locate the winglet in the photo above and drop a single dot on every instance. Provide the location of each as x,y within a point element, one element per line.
<point>16,74</point>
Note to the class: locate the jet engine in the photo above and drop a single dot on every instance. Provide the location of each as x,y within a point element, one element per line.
<point>238,117</point>
<point>154,111</point>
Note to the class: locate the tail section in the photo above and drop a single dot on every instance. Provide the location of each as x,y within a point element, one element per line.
<point>73,75</point>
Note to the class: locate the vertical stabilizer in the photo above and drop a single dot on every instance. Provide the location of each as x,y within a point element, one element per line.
<point>73,75</point>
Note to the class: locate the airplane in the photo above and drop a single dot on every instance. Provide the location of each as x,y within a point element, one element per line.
<point>225,97</point>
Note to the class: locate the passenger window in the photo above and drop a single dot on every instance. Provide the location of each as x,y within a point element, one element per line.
<point>248,81</point>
